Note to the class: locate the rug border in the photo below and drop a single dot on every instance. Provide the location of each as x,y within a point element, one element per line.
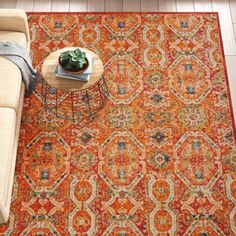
<point>195,13</point>
<point>227,78</point>
<point>117,12</point>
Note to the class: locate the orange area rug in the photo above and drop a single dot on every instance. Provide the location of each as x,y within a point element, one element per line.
<point>158,159</point>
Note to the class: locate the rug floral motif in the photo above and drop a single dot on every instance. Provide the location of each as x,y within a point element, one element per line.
<point>158,159</point>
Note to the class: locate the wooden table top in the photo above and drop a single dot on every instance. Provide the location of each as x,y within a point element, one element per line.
<point>70,85</point>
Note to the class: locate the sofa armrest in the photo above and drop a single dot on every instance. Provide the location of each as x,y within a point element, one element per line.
<point>14,20</point>
<point>4,214</point>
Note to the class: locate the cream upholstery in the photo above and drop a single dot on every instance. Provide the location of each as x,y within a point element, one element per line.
<point>7,134</point>
<point>10,36</point>
<point>10,71</point>
<point>14,20</point>
<point>10,83</point>
<point>7,192</point>
<point>14,28</point>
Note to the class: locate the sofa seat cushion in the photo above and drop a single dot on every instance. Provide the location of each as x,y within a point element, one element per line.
<point>7,136</point>
<point>10,75</point>
<point>10,84</point>
<point>8,36</point>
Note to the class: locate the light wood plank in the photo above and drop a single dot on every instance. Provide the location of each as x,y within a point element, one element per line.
<point>149,6</point>
<point>222,6</point>
<point>27,5</point>
<point>113,5</point>
<point>60,5</point>
<point>8,3</point>
<point>233,9</point>
<point>132,5</point>
<point>95,5</point>
<point>42,5</point>
<point>78,5</point>
<point>184,5</point>
<point>167,6</point>
<point>202,5</point>
<point>231,63</point>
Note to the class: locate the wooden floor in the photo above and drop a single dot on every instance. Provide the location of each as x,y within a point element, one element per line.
<point>226,9</point>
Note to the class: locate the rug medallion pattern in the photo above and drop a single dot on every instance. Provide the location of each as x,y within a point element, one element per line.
<point>158,159</point>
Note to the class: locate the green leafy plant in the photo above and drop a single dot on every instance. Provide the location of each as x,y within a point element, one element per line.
<point>73,60</point>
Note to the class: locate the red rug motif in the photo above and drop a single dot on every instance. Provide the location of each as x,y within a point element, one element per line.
<point>158,159</point>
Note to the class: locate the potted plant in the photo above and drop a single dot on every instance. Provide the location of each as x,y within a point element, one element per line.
<point>74,61</point>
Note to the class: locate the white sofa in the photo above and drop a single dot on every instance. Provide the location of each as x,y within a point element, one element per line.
<point>13,27</point>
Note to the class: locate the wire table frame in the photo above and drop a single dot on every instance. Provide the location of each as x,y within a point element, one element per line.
<point>77,106</point>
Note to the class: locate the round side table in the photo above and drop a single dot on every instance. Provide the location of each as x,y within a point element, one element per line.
<point>72,99</point>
